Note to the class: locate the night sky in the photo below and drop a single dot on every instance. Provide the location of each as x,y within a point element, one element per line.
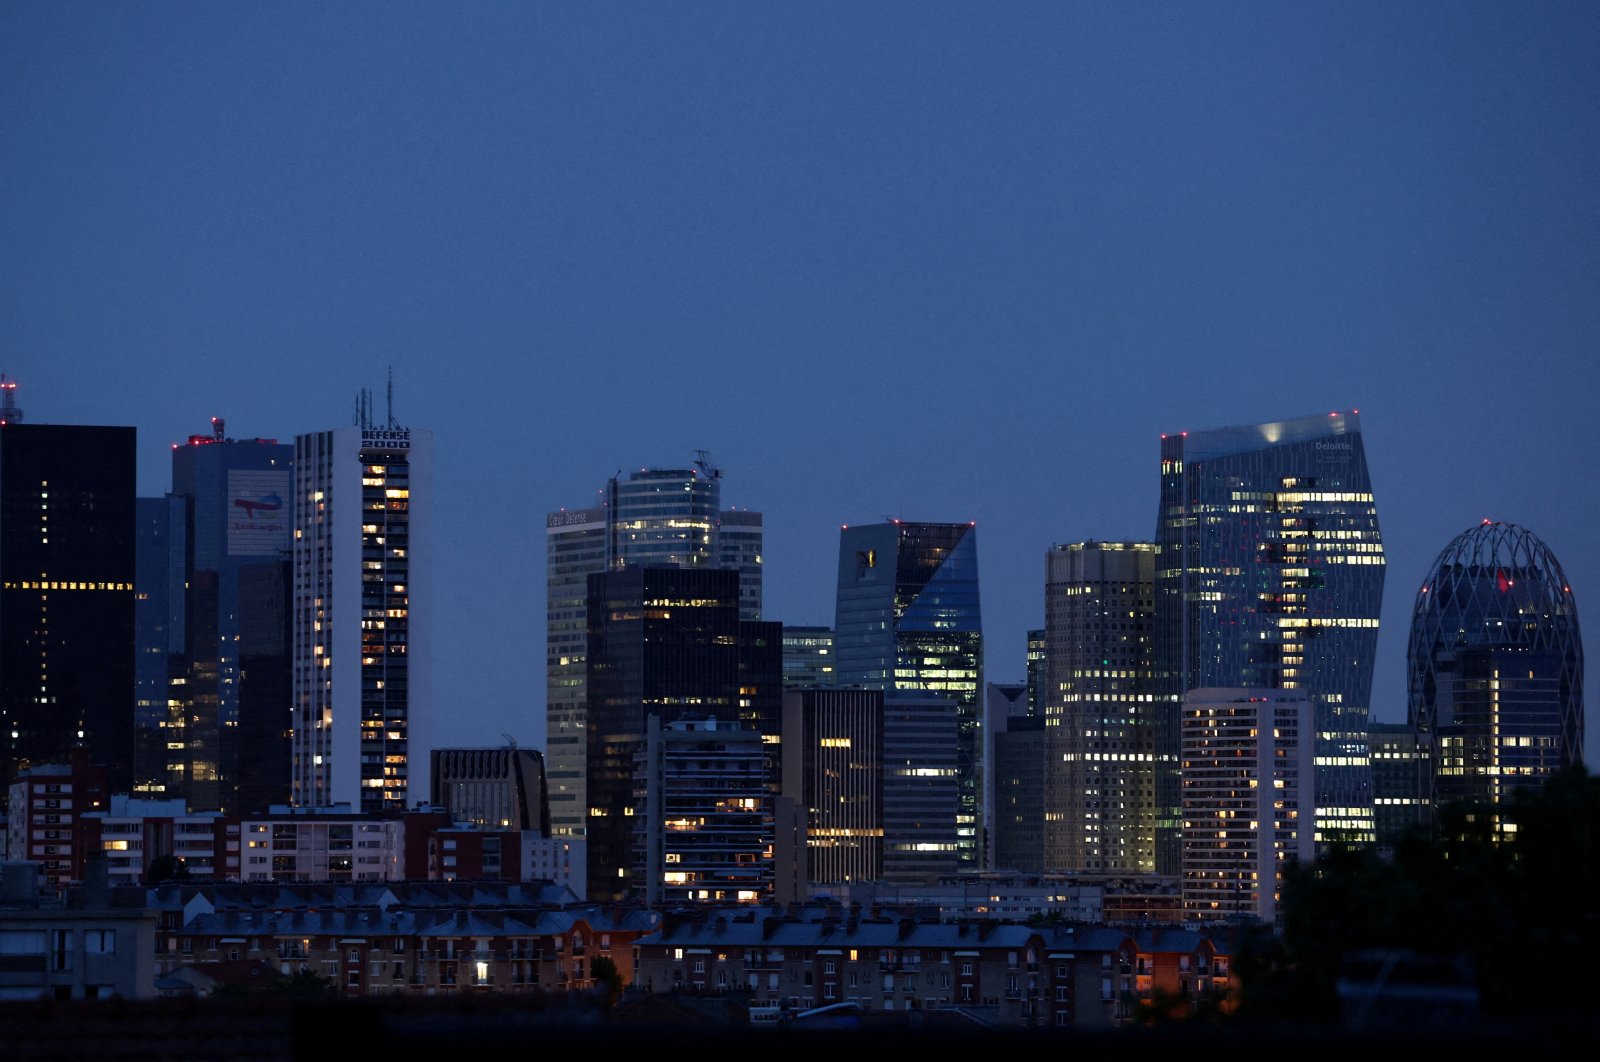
<point>934,261</point>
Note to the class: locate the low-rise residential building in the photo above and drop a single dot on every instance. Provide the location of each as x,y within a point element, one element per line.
<point>93,942</point>
<point>418,938</point>
<point>792,960</point>
<point>45,817</point>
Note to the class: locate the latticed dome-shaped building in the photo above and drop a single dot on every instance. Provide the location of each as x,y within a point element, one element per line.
<point>1495,667</point>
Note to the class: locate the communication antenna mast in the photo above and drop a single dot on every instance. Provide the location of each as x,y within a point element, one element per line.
<point>702,461</point>
<point>390,411</point>
<point>9,413</point>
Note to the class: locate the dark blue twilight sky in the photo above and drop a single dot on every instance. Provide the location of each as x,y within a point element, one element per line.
<point>932,260</point>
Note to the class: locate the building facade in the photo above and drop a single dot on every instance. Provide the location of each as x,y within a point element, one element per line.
<point>160,547</point>
<point>67,564</point>
<point>1099,792</point>
<point>1269,575</point>
<point>807,657</point>
<point>833,767</point>
<point>922,774</point>
<point>362,609</point>
<point>503,788</point>
<point>907,618</point>
<point>235,499</point>
<point>655,516</point>
<point>575,548</point>
<point>703,829</point>
<point>95,943</point>
<point>1018,772</point>
<point>45,813</point>
<point>1495,666</point>
<point>1401,773</point>
<point>1248,796</point>
<point>1008,976</point>
<point>664,642</point>
<point>1038,670</point>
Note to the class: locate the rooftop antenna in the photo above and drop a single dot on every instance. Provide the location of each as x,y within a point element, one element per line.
<point>702,461</point>
<point>217,429</point>
<point>9,413</point>
<point>390,411</point>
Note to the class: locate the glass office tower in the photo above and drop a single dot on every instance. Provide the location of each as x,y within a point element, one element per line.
<point>1495,667</point>
<point>1269,575</point>
<point>669,517</point>
<point>235,497</point>
<point>1100,788</point>
<point>666,642</point>
<point>907,619</point>
<point>67,564</point>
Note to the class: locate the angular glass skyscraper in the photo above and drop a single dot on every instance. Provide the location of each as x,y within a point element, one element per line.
<point>1495,666</point>
<point>1269,575</point>
<point>907,618</point>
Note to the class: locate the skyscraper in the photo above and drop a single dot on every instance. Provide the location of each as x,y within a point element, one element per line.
<point>1247,774</point>
<point>703,826</point>
<point>67,532</point>
<point>739,546</point>
<point>1495,666</point>
<point>907,618</point>
<point>655,516</point>
<point>266,718</point>
<point>1015,773</point>
<point>1269,575</point>
<point>575,548</point>
<point>160,546</point>
<point>807,656</point>
<point>833,760</point>
<point>664,642</point>
<point>1038,671</point>
<point>234,498</point>
<point>361,683</point>
<point>1099,704</point>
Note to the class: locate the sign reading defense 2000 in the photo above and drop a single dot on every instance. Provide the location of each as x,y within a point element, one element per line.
<point>386,438</point>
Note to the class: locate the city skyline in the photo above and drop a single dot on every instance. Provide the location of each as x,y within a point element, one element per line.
<point>965,267</point>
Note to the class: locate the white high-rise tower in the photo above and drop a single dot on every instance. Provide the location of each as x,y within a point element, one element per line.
<point>362,669</point>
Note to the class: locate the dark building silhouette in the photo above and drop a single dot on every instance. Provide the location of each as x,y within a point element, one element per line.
<point>67,532</point>
<point>1400,781</point>
<point>665,642</point>
<point>1495,666</point>
<point>265,701</point>
<point>235,498</point>
<point>1018,777</point>
<point>159,630</point>
<point>497,787</point>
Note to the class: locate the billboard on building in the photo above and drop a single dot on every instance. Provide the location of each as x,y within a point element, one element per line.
<point>260,518</point>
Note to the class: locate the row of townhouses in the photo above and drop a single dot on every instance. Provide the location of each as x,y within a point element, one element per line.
<point>1018,975</point>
